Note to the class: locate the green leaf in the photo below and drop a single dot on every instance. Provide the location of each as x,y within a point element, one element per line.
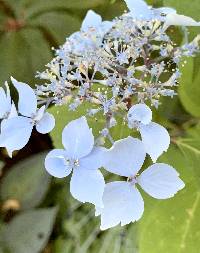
<point>27,182</point>
<point>29,231</point>
<point>173,225</point>
<point>22,54</point>
<point>59,24</point>
<point>189,88</point>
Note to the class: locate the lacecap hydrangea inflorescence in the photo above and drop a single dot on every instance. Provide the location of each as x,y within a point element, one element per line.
<point>119,68</point>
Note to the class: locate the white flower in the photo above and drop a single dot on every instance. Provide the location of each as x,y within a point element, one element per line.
<point>16,131</point>
<point>80,155</point>
<point>155,137</point>
<point>179,20</point>
<point>121,199</point>
<point>140,10</point>
<point>7,107</point>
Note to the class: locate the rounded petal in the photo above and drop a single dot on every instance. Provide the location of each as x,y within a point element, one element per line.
<point>27,104</point>
<point>46,124</point>
<point>56,165</point>
<point>87,186</point>
<point>91,19</point>
<point>155,138</point>
<point>94,160</point>
<point>77,138</point>
<point>125,158</point>
<point>161,181</point>
<point>15,133</point>
<point>140,113</point>
<point>122,203</point>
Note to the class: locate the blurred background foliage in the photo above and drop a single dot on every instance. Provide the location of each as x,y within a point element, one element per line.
<point>37,212</point>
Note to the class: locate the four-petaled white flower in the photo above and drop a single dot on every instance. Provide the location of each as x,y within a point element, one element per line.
<point>122,201</point>
<point>154,136</point>
<point>80,155</point>
<point>16,131</point>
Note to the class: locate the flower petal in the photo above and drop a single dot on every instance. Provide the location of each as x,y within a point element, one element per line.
<point>87,186</point>
<point>140,113</point>
<point>122,203</point>
<point>139,9</point>
<point>125,158</point>
<point>46,124</point>
<point>56,165</point>
<point>94,160</point>
<point>77,138</point>
<point>13,111</point>
<point>179,20</point>
<point>15,133</point>
<point>161,181</point>
<point>27,105</point>
<point>155,138</point>
<point>91,19</point>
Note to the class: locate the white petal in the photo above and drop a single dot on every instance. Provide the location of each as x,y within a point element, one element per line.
<point>15,133</point>
<point>164,10</point>
<point>140,113</point>
<point>91,19</point>
<point>126,157</point>
<point>122,203</point>
<point>77,138</point>
<point>94,160</point>
<point>155,138</point>
<point>46,124</point>
<point>87,186</point>
<point>179,20</point>
<point>56,165</point>
<point>4,103</point>
<point>27,105</point>
<point>40,113</point>
<point>13,111</point>
<point>139,9</point>
<point>161,181</point>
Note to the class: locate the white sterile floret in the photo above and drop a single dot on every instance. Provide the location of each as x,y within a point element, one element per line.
<point>16,131</point>
<point>122,201</point>
<point>140,10</point>
<point>83,158</point>
<point>155,137</point>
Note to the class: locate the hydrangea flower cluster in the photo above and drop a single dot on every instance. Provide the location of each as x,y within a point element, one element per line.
<point>116,67</point>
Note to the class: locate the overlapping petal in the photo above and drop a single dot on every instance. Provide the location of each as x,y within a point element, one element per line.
<point>155,138</point>
<point>92,19</point>
<point>56,165</point>
<point>94,160</point>
<point>77,138</point>
<point>161,181</point>
<point>126,157</point>
<point>122,204</point>
<point>87,186</point>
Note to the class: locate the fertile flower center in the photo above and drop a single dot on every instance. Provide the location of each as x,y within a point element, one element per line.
<point>73,163</point>
<point>132,180</point>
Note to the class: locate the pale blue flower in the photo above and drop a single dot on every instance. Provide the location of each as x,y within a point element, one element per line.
<point>122,201</point>
<point>16,130</point>
<point>155,137</point>
<point>81,157</point>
